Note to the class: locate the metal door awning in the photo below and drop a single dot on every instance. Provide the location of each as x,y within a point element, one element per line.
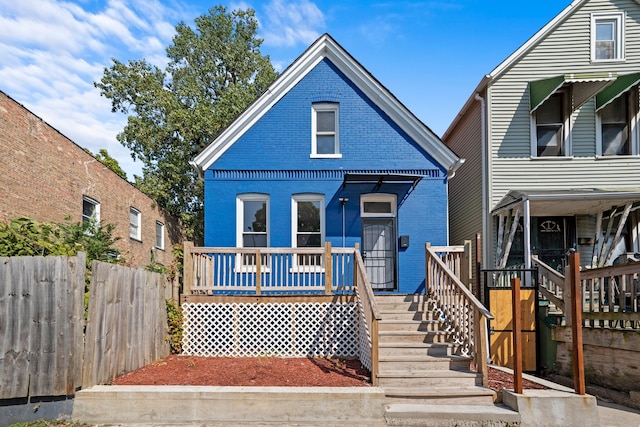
<point>381,178</point>
<point>585,87</point>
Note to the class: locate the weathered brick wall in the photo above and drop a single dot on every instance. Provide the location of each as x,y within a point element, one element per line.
<point>44,175</point>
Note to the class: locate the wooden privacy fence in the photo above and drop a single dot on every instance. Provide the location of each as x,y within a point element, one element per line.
<point>42,323</point>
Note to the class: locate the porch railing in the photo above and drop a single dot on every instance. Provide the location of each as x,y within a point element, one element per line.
<point>327,271</point>
<point>466,315</point>
<point>610,295</point>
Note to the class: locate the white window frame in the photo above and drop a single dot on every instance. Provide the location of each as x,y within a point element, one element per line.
<point>307,197</point>
<point>618,19</point>
<point>632,121</point>
<point>392,199</point>
<point>160,236</point>
<point>135,229</point>
<point>566,128</point>
<point>241,264</point>
<point>95,216</point>
<point>324,107</point>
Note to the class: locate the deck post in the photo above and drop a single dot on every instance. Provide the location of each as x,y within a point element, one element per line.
<point>428,285</point>
<point>576,327</point>
<point>187,266</point>
<point>258,271</point>
<point>480,334</point>
<point>465,265</point>
<point>517,335</point>
<point>328,269</point>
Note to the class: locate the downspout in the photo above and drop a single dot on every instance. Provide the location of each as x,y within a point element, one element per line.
<point>483,132</point>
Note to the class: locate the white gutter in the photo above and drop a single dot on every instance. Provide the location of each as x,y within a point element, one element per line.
<point>483,132</point>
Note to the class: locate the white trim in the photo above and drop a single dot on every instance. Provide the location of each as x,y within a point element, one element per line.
<point>162,230</point>
<point>306,197</point>
<point>392,199</point>
<point>250,197</point>
<point>96,209</point>
<point>566,128</point>
<point>618,18</point>
<point>333,107</point>
<point>327,48</point>
<point>632,122</point>
<point>137,232</point>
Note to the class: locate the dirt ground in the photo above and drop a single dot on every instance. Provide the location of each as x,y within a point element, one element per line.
<point>268,371</point>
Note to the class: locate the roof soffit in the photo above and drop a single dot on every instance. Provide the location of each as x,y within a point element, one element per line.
<point>326,47</point>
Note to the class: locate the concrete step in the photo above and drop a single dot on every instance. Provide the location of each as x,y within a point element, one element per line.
<point>428,363</point>
<point>429,378</point>
<point>414,336</point>
<point>174,405</point>
<point>406,414</point>
<point>418,349</point>
<point>463,396</point>
<point>411,325</point>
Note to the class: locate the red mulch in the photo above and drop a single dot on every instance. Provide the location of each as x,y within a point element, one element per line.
<point>270,371</point>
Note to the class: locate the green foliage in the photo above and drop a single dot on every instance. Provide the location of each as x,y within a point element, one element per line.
<point>214,72</point>
<point>104,158</point>
<point>26,237</point>
<point>174,322</point>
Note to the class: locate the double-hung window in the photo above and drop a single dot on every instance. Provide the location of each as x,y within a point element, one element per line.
<point>550,126</point>
<point>607,43</point>
<point>325,135</point>
<point>616,125</point>
<point>90,214</point>
<point>252,224</point>
<point>159,235</point>
<point>135,222</point>
<point>308,226</point>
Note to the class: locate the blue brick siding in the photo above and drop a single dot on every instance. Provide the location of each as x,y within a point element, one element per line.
<point>273,158</point>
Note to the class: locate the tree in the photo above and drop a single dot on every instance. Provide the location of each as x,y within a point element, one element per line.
<point>105,158</point>
<point>214,72</point>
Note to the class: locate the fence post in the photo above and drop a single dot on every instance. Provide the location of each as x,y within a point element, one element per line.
<point>576,327</point>
<point>517,335</point>
<point>465,265</point>
<point>328,269</point>
<point>480,334</point>
<point>187,267</point>
<point>428,285</point>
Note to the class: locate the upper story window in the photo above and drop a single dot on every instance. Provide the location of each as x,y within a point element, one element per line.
<point>607,31</point>
<point>135,224</point>
<point>159,235</point>
<point>550,126</point>
<point>90,213</point>
<point>616,125</point>
<point>308,225</point>
<point>325,130</point>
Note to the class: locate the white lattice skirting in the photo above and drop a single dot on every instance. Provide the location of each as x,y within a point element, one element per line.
<point>272,329</point>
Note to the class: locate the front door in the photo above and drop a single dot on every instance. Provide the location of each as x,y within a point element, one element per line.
<point>379,240</point>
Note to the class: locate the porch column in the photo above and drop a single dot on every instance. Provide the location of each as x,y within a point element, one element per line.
<point>526,225</point>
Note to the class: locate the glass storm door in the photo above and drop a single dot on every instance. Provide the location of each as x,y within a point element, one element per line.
<point>379,250</point>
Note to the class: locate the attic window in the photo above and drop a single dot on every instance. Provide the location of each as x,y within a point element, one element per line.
<point>325,139</point>
<point>607,42</point>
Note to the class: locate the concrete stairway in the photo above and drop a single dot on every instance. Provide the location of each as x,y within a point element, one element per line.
<point>425,378</point>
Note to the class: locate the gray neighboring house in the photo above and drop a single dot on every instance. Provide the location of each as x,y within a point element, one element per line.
<point>552,144</point>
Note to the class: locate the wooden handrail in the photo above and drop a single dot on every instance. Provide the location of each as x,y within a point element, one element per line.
<point>466,292</point>
<point>368,288</point>
<point>550,273</point>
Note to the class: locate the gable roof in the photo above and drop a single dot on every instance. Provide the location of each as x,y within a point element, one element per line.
<point>327,47</point>
<point>515,57</point>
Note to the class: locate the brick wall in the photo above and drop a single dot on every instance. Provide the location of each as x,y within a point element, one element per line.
<point>44,176</point>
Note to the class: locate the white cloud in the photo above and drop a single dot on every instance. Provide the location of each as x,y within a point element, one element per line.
<point>290,23</point>
<point>53,50</point>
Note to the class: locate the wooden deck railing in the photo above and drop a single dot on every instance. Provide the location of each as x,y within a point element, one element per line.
<point>466,315</point>
<point>610,295</point>
<point>288,271</point>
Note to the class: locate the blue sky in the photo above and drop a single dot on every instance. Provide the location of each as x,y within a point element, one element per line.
<point>429,54</point>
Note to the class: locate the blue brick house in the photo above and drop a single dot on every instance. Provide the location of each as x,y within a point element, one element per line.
<point>328,154</point>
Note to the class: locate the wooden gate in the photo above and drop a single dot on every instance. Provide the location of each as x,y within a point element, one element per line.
<point>498,296</point>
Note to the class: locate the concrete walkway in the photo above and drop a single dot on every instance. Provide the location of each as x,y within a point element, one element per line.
<point>614,415</point>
